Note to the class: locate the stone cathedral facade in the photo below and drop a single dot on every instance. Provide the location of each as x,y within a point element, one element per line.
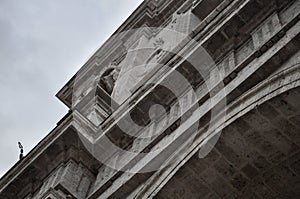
<point>187,99</point>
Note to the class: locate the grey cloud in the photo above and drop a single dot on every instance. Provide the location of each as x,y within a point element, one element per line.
<point>42,45</point>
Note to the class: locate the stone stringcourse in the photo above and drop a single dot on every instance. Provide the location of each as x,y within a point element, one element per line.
<point>255,48</point>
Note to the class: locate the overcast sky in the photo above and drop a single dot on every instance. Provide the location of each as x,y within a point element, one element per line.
<point>42,45</point>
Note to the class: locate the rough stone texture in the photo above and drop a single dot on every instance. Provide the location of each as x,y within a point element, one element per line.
<point>256,157</point>
<point>255,47</point>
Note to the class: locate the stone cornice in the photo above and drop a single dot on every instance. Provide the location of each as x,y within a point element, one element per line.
<point>35,152</point>
<point>58,147</point>
<point>148,13</point>
<point>277,84</point>
<point>64,124</point>
<point>253,58</point>
<point>265,90</point>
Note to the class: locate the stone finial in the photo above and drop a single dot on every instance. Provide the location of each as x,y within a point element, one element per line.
<point>21,151</point>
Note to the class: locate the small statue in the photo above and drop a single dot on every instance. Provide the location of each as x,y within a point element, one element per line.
<point>108,79</point>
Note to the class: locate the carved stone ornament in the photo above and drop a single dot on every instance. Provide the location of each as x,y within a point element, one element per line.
<point>108,78</point>
<point>158,42</point>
